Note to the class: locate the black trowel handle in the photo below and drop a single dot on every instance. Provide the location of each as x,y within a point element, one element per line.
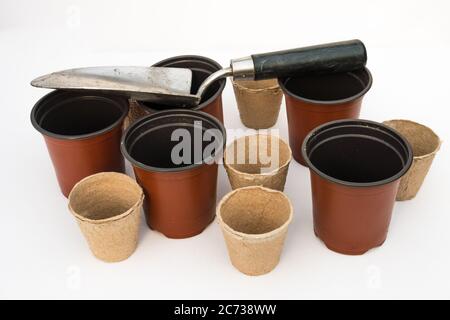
<point>327,58</point>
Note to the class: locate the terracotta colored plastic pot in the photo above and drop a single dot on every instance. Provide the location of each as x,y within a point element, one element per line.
<point>180,196</point>
<point>312,100</point>
<point>82,132</point>
<point>201,68</point>
<point>355,167</point>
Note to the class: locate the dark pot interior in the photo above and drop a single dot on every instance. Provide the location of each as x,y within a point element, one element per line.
<point>72,114</point>
<point>148,142</point>
<point>201,68</point>
<point>356,152</point>
<point>329,87</point>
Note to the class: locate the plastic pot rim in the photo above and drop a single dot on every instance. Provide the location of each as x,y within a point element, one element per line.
<point>282,81</point>
<point>265,174</point>
<point>110,219</point>
<point>168,113</point>
<point>122,103</point>
<point>203,104</point>
<point>254,237</point>
<point>321,174</point>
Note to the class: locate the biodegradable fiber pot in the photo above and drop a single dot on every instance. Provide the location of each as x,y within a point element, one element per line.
<point>82,132</point>
<point>255,223</point>
<point>355,167</point>
<point>180,195</point>
<point>201,67</point>
<point>258,102</point>
<point>107,207</point>
<point>258,160</point>
<point>425,144</point>
<point>312,100</point>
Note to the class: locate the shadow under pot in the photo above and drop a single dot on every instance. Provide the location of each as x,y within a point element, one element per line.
<point>355,168</point>
<point>174,154</point>
<point>201,67</point>
<point>312,100</point>
<point>82,132</point>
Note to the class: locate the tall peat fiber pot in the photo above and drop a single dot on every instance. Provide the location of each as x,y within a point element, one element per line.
<point>201,67</point>
<point>312,100</point>
<point>257,160</point>
<point>255,222</point>
<point>107,207</point>
<point>174,154</point>
<point>258,102</point>
<point>82,132</point>
<point>355,167</point>
<point>425,144</point>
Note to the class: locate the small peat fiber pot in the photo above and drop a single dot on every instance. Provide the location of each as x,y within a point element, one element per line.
<point>258,102</point>
<point>201,67</point>
<point>425,144</point>
<point>312,100</point>
<point>254,222</point>
<point>258,160</point>
<point>82,132</point>
<point>175,154</point>
<point>355,167</point>
<point>107,207</point>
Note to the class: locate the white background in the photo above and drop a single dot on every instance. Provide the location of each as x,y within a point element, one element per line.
<point>42,252</point>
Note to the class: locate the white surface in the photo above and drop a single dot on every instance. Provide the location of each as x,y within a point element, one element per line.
<point>43,254</point>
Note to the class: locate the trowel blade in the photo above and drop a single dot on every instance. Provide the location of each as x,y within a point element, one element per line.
<point>171,86</point>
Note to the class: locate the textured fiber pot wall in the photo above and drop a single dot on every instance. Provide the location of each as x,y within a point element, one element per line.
<point>107,207</point>
<point>355,166</point>
<point>258,102</point>
<point>254,222</point>
<point>180,198</point>
<point>82,132</point>
<point>312,100</point>
<point>201,68</point>
<point>257,160</point>
<point>425,144</point>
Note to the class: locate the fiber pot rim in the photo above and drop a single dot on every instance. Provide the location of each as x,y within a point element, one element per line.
<point>110,219</point>
<point>168,113</point>
<point>122,103</point>
<point>265,174</point>
<point>423,156</point>
<point>203,104</point>
<point>393,178</point>
<point>248,236</point>
<point>281,82</point>
<point>237,84</point>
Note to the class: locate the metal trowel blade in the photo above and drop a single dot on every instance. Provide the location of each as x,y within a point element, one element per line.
<point>169,86</point>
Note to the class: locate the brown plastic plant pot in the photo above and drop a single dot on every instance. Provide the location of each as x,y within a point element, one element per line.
<point>425,144</point>
<point>180,197</point>
<point>82,132</point>
<point>201,67</point>
<point>355,168</point>
<point>312,100</point>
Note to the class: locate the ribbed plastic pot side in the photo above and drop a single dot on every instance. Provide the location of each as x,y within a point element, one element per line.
<point>355,167</point>
<point>181,198</point>
<point>82,132</point>
<point>312,100</point>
